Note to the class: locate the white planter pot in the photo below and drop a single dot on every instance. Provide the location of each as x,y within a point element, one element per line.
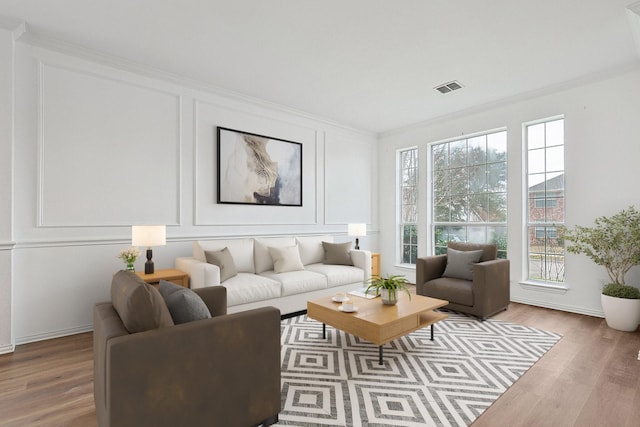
<point>622,314</point>
<point>389,298</point>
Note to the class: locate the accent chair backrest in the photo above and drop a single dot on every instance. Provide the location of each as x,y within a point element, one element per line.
<point>489,250</point>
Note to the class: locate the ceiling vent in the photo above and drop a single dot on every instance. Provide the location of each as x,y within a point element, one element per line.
<point>449,87</point>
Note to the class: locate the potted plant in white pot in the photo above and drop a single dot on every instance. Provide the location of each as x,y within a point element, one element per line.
<point>614,243</point>
<point>388,287</point>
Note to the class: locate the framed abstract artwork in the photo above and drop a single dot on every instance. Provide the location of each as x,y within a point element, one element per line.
<point>258,170</point>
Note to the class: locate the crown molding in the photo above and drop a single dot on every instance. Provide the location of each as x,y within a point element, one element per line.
<point>633,13</point>
<point>524,96</point>
<point>14,25</point>
<point>40,40</point>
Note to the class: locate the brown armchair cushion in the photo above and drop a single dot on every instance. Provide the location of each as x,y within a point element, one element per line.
<point>460,263</point>
<point>183,304</point>
<point>139,305</point>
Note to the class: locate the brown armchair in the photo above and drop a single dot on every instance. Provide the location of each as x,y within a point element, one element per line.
<point>485,294</point>
<point>219,371</point>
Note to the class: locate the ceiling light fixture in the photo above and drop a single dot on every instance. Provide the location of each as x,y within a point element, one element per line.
<point>448,87</point>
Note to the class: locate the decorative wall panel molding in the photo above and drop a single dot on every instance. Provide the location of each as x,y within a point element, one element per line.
<point>109,151</point>
<point>6,246</point>
<point>348,179</point>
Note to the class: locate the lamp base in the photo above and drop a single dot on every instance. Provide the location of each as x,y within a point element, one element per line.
<point>357,244</point>
<point>148,266</point>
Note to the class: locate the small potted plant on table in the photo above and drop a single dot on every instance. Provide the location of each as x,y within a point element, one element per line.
<point>388,287</point>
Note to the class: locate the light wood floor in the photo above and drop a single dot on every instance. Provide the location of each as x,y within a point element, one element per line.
<point>590,378</point>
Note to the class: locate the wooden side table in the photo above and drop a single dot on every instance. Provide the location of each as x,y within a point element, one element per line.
<point>375,264</point>
<point>170,275</point>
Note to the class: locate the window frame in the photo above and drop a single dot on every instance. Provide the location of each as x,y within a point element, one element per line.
<point>436,225</point>
<point>551,200</point>
<point>406,226</point>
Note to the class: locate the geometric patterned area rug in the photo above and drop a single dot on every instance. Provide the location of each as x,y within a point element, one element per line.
<point>450,381</point>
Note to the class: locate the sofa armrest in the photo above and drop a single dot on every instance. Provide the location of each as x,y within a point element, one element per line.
<point>223,371</point>
<point>362,259</point>
<point>200,273</point>
<point>429,268</point>
<point>491,285</point>
<point>215,298</point>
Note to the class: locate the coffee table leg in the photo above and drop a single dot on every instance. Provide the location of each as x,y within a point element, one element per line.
<point>432,332</point>
<point>380,356</point>
<point>324,331</point>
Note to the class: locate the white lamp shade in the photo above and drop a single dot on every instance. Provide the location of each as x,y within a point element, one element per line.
<point>357,230</point>
<point>148,235</point>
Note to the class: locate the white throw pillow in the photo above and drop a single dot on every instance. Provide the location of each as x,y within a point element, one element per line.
<point>262,257</point>
<point>286,259</point>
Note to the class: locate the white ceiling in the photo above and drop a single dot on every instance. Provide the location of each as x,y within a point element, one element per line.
<point>369,64</point>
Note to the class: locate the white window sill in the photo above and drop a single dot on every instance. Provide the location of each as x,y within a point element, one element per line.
<point>544,287</point>
<point>406,266</point>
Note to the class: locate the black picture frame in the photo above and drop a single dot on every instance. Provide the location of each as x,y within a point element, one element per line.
<point>256,169</point>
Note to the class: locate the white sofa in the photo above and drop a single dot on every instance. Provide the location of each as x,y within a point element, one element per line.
<point>257,284</point>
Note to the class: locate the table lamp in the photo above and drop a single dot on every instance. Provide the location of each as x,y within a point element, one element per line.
<point>357,230</point>
<point>148,235</point>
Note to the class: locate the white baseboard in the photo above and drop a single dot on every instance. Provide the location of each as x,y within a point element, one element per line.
<point>561,307</point>
<point>54,334</point>
<point>7,348</point>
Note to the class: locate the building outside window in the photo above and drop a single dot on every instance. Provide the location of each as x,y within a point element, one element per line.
<point>408,195</point>
<point>545,200</point>
<point>469,191</point>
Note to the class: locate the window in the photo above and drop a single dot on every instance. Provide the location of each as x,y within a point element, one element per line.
<point>542,232</point>
<point>549,203</point>
<point>469,191</point>
<point>408,195</point>
<point>545,200</point>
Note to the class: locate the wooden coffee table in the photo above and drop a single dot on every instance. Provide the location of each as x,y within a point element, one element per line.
<point>376,322</point>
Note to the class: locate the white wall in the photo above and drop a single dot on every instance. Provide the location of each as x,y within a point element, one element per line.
<point>602,152</point>
<point>100,145</point>
<point>8,32</point>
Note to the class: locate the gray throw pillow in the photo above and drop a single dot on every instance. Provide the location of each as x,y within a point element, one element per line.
<point>138,304</point>
<point>337,253</point>
<point>184,304</point>
<point>460,263</point>
<point>224,260</point>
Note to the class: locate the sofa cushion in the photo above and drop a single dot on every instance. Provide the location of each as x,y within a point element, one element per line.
<point>183,304</point>
<point>297,282</point>
<point>246,287</point>
<point>337,253</point>
<point>310,247</point>
<point>285,259</point>
<point>139,305</point>
<point>241,251</point>
<point>338,275</point>
<point>460,263</point>
<point>457,291</point>
<point>224,260</point>
<point>263,260</point>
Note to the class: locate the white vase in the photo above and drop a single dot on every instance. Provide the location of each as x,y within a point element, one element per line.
<point>622,314</point>
<point>389,297</point>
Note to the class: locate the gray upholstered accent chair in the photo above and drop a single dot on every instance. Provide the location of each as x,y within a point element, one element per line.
<point>218,371</point>
<point>470,277</point>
